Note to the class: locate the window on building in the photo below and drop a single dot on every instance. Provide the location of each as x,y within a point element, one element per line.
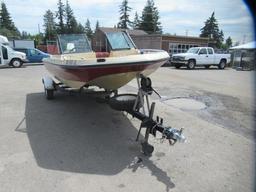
<point>179,48</point>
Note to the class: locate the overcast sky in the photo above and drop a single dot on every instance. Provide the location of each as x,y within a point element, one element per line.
<point>176,16</point>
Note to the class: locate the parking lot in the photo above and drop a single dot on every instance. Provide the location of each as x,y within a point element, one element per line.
<point>74,143</point>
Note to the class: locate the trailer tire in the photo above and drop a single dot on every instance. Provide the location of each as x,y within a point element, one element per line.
<point>147,149</point>
<point>49,93</point>
<point>16,63</point>
<point>123,102</point>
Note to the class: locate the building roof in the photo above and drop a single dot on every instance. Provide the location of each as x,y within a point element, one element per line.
<point>186,37</point>
<point>138,32</point>
<point>130,31</point>
<point>250,45</point>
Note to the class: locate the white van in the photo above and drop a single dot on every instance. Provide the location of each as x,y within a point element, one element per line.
<point>8,56</point>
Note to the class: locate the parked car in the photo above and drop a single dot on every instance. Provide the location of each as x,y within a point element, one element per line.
<point>33,55</point>
<point>8,56</point>
<point>200,56</point>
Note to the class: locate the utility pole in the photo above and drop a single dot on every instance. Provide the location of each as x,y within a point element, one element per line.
<point>39,28</point>
<point>244,38</point>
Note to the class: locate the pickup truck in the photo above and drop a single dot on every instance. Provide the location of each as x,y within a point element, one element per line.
<point>200,56</point>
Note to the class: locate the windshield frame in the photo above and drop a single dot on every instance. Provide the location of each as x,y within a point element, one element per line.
<point>125,37</point>
<point>61,37</point>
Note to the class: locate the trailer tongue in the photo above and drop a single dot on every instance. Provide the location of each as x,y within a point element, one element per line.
<point>135,105</point>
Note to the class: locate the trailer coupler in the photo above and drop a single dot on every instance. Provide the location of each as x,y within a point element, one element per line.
<point>152,127</point>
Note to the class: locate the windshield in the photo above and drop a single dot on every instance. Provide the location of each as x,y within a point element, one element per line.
<point>9,48</point>
<point>74,43</point>
<point>119,40</point>
<point>193,50</point>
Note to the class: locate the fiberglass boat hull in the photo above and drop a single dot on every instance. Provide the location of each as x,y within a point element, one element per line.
<point>107,76</point>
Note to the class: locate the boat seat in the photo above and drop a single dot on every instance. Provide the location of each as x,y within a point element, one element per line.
<point>102,54</point>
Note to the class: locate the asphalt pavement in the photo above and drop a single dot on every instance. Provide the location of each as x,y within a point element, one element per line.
<point>76,143</point>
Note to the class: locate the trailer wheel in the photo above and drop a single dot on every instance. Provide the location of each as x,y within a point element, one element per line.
<point>49,93</point>
<point>147,149</point>
<point>123,102</point>
<point>16,63</point>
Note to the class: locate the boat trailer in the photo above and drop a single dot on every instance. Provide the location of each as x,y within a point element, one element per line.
<point>135,105</point>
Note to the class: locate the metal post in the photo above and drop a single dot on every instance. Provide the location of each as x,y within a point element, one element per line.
<point>147,104</point>
<point>151,113</point>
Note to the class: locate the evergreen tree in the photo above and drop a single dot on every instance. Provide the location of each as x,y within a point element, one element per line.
<point>25,35</point>
<point>6,32</point>
<point>71,23</point>
<point>88,30</point>
<point>39,39</point>
<point>221,36</point>
<point>61,17</point>
<point>150,18</point>
<point>49,25</point>
<point>136,22</point>
<point>124,15</point>
<point>80,28</point>
<point>211,30</point>
<point>229,42</point>
<point>5,18</point>
<point>157,23</point>
<point>237,43</point>
<point>6,24</point>
<point>72,28</point>
<point>97,25</point>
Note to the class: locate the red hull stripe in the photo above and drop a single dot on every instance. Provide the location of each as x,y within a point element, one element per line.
<point>87,73</point>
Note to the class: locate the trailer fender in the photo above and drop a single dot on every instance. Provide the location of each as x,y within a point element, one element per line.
<point>48,83</point>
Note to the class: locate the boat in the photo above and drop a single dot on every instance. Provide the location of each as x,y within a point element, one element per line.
<point>118,62</point>
<point>79,66</point>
